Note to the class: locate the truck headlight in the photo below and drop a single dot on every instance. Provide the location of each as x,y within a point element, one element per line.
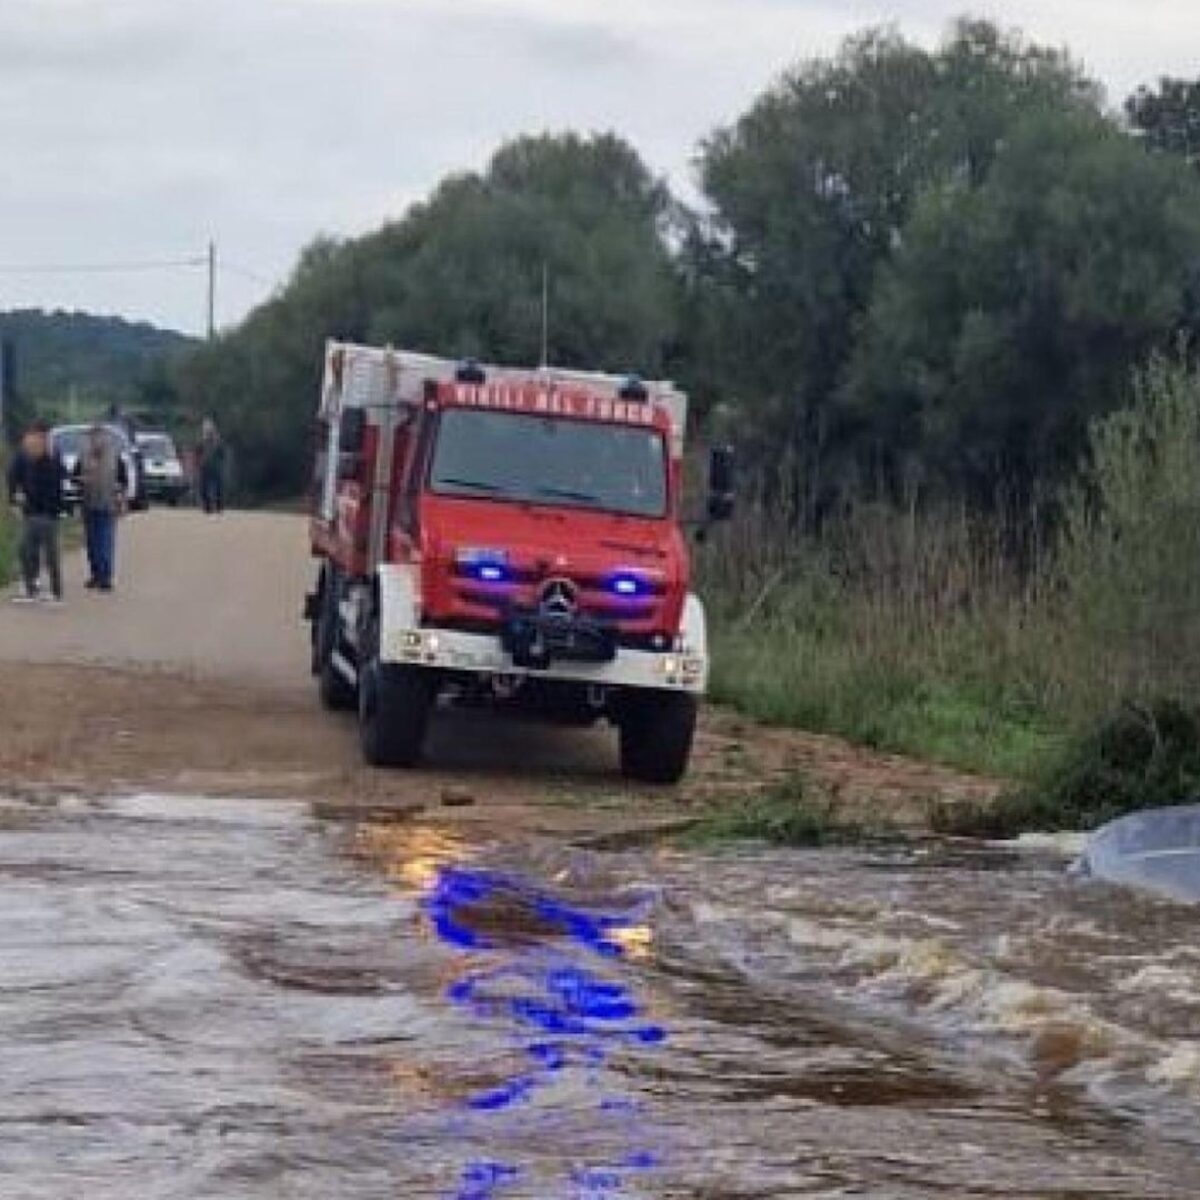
<point>688,667</point>
<point>417,643</point>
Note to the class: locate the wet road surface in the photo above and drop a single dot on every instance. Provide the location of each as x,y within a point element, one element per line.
<point>225,999</point>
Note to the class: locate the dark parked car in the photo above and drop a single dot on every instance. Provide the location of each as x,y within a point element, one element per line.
<point>68,441</point>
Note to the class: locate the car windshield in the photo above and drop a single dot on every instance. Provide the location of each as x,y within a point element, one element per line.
<point>548,460</point>
<point>157,445</point>
<point>71,439</point>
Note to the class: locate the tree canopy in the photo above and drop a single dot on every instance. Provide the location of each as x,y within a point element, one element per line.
<point>57,362</point>
<point>1011,313</point>
<point>1168,117</point>
<point>911,266</point>
<point>460,275</point>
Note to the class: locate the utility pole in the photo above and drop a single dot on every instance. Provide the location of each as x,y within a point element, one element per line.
<point>212,290</point>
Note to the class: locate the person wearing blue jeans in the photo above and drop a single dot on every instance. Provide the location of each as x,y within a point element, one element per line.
<point>103,480</point>
<point>100,531</point>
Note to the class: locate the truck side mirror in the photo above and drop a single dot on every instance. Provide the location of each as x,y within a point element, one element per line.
<point>353,430</point>
<point>721,483</point>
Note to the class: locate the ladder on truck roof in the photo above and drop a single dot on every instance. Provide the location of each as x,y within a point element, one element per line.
<point>380,377</point>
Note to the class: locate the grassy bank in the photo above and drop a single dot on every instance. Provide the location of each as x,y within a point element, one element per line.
<point>903,633</point>
<point>920,632</point>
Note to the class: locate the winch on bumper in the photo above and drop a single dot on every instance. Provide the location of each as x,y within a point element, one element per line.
<point>536,640</point>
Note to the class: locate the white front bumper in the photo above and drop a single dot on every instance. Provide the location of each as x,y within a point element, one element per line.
<point>481,654</point>
<point>403,639</point>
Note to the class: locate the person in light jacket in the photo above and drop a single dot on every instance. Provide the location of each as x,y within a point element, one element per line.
<point>103,482</point>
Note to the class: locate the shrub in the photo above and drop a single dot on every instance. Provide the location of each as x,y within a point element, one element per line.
<point>785,814</point>
<point>1141,756</point>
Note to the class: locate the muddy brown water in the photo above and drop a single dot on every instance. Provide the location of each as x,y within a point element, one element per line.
<point>220,999</point>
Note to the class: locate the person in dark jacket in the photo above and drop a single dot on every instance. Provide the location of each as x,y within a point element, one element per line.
<point>35,482</point>
<point>103,484</point>
<point>210,462</point>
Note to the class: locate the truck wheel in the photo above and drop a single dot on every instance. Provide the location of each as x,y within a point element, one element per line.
<point>394,703</point>
<point>335,691</point>
<point>656,730</point>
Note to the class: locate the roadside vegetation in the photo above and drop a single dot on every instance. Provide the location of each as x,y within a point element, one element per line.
<point>788,813</point>
<point>8,549</point>
<point>1142,756</point>
<point>1070,665</point>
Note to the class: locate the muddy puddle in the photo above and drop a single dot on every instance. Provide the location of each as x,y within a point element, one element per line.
<point>226,1000</point>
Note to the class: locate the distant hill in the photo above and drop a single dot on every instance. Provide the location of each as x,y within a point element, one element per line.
<point>71,364</point>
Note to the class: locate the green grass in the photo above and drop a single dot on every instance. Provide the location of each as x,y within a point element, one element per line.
<point>896,697</point>
<point>8,547</point>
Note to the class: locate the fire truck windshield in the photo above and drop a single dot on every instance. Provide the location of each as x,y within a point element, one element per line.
<point>550,460</point>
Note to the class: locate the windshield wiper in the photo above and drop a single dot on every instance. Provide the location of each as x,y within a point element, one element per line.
<point>477,485</point>
<point>566,494</point>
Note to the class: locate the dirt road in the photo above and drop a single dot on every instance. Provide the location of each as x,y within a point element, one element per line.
<point>193,676</point>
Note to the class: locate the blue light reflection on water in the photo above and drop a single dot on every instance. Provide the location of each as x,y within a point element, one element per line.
<point>556,996</point>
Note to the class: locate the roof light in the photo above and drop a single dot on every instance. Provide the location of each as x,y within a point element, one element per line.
<point>487,564</point>
<point>634,389</point>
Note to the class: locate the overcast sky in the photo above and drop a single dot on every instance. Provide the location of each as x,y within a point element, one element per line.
<point>133,130</point>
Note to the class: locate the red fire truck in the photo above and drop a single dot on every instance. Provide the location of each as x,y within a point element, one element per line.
<point>507,537</point>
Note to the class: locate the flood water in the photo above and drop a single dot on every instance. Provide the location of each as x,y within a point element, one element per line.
<point>224,999</point>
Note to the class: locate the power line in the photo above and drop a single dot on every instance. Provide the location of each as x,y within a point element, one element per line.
<point>245,272</point>
<point>97,268</point>
<point>207,262</point>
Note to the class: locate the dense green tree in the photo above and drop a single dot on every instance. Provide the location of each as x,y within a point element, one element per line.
<point>459,275</point>
<point>1168,117</point>
<point>1012,312</point>
<point>64,363</point>
<point>913,266</point>
<point>811,190</point>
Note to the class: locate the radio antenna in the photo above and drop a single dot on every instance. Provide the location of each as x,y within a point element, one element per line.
<point>545,313</point>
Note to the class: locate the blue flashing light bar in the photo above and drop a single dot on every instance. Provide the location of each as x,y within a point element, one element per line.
<point>628,585</point>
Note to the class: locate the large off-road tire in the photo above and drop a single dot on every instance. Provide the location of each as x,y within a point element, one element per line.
<point>394,704</point>
<point>335,691</point>
<point>656,731</point>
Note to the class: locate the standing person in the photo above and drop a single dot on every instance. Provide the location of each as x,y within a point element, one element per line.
<point>210,461</point>
<point>35,479</point>
<point>103,483</point>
